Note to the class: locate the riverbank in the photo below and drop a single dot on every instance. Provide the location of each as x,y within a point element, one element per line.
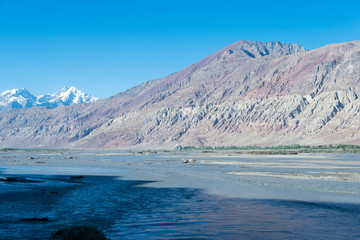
<point>176,194</point>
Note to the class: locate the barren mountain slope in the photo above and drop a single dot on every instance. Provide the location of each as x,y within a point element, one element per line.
<point>247,93</point>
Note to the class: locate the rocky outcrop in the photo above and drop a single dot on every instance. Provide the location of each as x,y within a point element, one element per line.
<point>247,93</point>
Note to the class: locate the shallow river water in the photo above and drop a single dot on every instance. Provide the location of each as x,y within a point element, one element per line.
<point>156,196</point>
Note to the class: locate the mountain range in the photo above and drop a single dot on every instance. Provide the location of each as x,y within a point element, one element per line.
<point>22,98</point>
<point>263,93</point>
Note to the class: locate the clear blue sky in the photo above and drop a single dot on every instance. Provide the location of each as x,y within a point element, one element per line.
<point>105,46</point>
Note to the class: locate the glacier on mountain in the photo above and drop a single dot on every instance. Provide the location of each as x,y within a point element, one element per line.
<point>22,98</point>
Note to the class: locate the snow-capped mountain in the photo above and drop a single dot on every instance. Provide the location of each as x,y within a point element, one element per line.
<point>22,98</point>
<point>248,93</point>
<point>16,98</point>
<point>65,96</point>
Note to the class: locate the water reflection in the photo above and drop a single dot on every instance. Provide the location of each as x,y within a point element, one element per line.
<point>128,210</point>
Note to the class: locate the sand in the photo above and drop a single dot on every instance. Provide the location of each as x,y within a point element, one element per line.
<point>304,177</point>
<point>158,195</point>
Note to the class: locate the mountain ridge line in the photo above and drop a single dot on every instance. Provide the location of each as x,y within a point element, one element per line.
<point>244,94</point>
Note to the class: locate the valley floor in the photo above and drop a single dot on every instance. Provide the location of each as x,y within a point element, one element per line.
<point>176,194</point>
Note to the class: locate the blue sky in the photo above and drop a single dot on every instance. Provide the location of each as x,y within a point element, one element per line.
<point>105,47</point>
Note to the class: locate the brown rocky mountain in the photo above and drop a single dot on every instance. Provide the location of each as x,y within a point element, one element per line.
<point>246,93</point>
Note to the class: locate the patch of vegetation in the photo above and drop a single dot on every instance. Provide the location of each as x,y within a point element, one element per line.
<point>281,152</point>
<point>31,150</point>
<point>9,149</point>
<point>281,149</point>
<point>79,232</point>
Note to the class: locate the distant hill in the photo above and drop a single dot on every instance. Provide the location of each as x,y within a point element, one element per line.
<point>247,93</point>
<point>22,98</point>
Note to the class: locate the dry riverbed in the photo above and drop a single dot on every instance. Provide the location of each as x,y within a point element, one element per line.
<point>58,188</point>
<point>307,177</point>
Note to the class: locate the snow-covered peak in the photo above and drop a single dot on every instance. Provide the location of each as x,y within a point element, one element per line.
<point>16,98</point>
<point>15,93</point>
<point>22,98</point>
<point>66,96</point>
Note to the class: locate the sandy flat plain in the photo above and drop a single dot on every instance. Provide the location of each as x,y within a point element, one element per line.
<point>304,177</point>
<point>180,195</point>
